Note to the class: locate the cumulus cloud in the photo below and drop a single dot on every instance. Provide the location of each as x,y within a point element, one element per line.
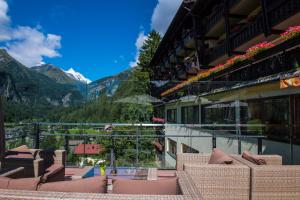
<point>28,45</point>
<point>4,21</point>
<point>138,44</point>
<point>163,14</point>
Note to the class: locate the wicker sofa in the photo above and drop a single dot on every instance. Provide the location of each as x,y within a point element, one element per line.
<point>186,191</point>
<point>40,164</point>
<point>216,181</point>
<point>273,181</point>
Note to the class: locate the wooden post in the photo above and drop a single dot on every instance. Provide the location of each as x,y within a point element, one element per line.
<point>2,130</point>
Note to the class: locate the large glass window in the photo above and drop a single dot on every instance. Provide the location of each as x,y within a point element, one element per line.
<point>222,113</point>
<point>272,112</point>
<point>190,115</point>
<point>188,149</point>
<point>172,147</point>
<point>172,115</point>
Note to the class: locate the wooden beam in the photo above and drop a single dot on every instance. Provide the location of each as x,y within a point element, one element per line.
<point>2,130</point>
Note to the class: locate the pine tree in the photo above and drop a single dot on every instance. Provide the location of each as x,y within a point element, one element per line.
<point>148,50</point>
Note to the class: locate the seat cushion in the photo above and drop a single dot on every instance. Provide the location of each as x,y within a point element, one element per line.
<point>219,157</point>
<point>86,185</point>
<point>4,182</point>
<point>24,184</point>
<point>156,187</point>
<point>19,152</point>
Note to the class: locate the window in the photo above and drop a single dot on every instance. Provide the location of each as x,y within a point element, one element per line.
<point>190,115</point>
<point>172,115</point>
<point>188,149</point>
<point>172,148</point>
<point>272,112</point>
<point>222,113</point>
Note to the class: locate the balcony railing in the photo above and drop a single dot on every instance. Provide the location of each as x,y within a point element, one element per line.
<point>248,32</point>
<point>280,10</point>
<point>127,144</point>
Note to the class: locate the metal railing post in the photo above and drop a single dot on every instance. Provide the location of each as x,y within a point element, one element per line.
<point>137,145</point>
<point>36,135</point>
<point>214,141</point>
<point>259,146</point>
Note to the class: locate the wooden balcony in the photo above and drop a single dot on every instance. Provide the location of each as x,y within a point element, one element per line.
<point>283,58</point>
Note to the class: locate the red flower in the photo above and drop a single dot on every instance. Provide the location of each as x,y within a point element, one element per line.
<point>257,49</point>
<point>291,32</point>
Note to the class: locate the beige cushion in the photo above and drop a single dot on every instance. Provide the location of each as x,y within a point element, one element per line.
<point>219,157</point>
<point>4,182</point>
<point>19,152</point>
<point>157,187</point>
<point>24,184</point>
<point>86,185</point>
<point>253,158</point>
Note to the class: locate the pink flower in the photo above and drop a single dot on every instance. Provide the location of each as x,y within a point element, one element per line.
<point>291,32</point>
<point>257,49</point>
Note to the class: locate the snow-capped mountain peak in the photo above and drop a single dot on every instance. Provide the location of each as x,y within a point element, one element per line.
<point>77,76</point>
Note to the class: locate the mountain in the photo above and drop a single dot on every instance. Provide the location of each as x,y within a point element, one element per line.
<point>63,77</point>
<point>107,85</point>
<point>77,76</point>
<point>27,86</point>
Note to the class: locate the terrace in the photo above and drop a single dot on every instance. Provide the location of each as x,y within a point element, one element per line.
<point>136,152</point>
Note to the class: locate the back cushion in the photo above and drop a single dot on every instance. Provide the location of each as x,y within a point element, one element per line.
<point>87,185</point>
<point>24,184</point>
<point>19,152</point>
<point>4,182</point>
<point>219,157</point>
<point>157,187</point>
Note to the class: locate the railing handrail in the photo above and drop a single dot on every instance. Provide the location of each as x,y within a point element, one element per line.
<point>139,124</point>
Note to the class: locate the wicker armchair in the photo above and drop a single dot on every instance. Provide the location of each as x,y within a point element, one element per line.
<point>32,167</point>
<point>35,167</point>
<point>53,166</point>
<point>274,180</point>
<point>216,181</point>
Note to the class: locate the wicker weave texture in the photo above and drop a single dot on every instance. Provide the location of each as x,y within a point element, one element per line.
<point>218,182</point>
<point>191,158</point>
<point>274,182</point>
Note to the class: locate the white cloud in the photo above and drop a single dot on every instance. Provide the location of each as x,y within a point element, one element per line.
<point>4,21</point>
<point>163,14</point>
<point>28,45</point>
<point>138,44</point>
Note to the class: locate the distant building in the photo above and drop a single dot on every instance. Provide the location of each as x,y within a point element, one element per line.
<point>88,149</point>
<point>200,89</point>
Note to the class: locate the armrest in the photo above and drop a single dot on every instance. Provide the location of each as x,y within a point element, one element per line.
<point>190,158</point>
<point>187,186</point>
<point>14,173</point>
<point>216,180</point>
<point>60,157</point>
<point>38,165</point>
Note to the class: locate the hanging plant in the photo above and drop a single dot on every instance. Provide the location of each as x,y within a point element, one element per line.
<point>257,49</point>
<point>291,33</point>
<point>235,60</point>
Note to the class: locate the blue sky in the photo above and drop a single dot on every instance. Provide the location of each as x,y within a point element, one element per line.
<point>95,37</point>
